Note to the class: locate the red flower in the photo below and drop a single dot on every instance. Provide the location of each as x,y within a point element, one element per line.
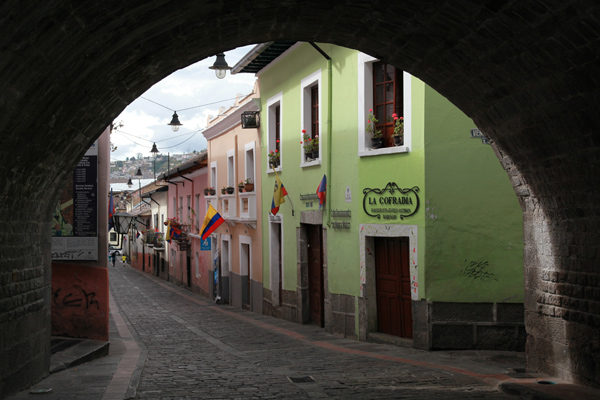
<point>277,140</point>
<point>394,115</point>
<point>301,142</point>
<point>303,130</point>
<point>370,110</point>
<point>276,151</point>
<point>369,121</point>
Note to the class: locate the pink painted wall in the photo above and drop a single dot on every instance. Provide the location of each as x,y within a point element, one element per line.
<point>79,305</point>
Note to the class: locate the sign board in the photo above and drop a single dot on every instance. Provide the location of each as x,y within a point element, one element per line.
<point>75,218</point>
<point>205,244</point>
<point>391,203</point>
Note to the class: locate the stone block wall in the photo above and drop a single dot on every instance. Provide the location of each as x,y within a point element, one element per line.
<point>480,326</point>
<point>288,310</point>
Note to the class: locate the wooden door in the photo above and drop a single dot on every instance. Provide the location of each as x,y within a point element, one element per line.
<point>394,313</point>
<point>315,274</point>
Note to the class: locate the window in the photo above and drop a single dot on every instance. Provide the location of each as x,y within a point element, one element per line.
<point>249,160</point>
<point>189,210</point>
<point>387,98</point>
<point>386,90</point>
<point>213,175</point>
<point>277,128</point>
<point>231,168</point>
<point>274,129</point>
<point>311,119</point>
<point>197,207</point>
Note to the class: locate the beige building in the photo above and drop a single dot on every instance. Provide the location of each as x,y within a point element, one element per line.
<point>234,174</point>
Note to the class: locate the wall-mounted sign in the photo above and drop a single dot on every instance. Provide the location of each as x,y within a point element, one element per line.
<point>205,244</point>
<point>477,134</point>
<point>391,202</point>
<point>75,219</point>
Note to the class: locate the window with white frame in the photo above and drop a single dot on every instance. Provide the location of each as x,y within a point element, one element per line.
<point>231,168</point>
<point>385,92</point>
<point>274,129</point>
<point>249,149</point>
<point>311,118</point>
<point>213,175</point>
<point>197,208</point>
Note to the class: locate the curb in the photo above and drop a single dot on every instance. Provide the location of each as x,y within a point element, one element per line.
<point>82,352</point>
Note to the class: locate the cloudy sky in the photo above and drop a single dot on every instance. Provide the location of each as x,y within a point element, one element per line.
<point>145,122</point>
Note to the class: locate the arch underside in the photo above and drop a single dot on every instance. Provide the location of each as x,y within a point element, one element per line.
<point>526,72</point>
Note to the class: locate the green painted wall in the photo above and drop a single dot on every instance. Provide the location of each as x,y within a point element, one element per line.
<point>469,214</point>
<point>285,76</point>
<point>474,241</point>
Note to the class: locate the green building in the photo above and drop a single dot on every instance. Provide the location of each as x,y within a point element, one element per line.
<point>419,241</point>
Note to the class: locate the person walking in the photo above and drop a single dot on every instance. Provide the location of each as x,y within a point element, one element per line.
<point>113,255</point>
<point>124,259</point>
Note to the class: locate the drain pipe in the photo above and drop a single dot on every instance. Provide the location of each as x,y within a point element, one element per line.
<point>329,132</point>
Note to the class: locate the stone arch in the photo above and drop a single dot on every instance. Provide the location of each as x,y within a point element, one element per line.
<point>526,72</point>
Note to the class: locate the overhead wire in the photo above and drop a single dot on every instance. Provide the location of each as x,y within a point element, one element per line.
<point>189,108</point>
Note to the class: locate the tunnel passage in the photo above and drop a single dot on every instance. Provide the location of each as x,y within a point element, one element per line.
<point>525,72</point>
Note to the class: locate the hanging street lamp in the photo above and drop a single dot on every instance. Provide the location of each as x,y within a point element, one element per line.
<point>220,66</point>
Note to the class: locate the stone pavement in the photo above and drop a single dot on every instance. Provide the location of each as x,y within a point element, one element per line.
<point>169,343</point>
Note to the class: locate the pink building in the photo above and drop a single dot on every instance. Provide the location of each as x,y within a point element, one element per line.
<point>187,263</point>
<point>234,173</point>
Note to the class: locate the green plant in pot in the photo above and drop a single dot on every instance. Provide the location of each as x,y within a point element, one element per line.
<point>398,135</point>
<point>376,135</point>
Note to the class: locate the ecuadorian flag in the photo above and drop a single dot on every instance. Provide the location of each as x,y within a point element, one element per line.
<point>278,195</point>
<point>212,221</point>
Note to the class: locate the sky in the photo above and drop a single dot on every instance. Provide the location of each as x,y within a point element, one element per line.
<point>145,122</point>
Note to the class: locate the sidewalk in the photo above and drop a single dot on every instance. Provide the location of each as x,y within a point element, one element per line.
<point>116,375</point>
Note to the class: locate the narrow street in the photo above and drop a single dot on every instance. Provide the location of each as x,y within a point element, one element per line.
<point>191,348</point>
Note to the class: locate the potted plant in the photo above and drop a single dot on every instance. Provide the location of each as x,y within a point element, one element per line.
<point>274,159</point>
<point>398,135</point>
<point>224,190</point>
<point>376,135</point>
<point>209,191</point>
<point>241,186</point>
<point>230,190</point>
<point>310,145</point>
<point>248,185</point>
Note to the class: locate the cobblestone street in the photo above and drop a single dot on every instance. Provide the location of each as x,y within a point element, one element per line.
<point>169,343</point>
<point>197,349</point>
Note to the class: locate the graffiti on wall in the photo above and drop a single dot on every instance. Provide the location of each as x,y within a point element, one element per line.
<point>76,300</point>
<point>477,270</point>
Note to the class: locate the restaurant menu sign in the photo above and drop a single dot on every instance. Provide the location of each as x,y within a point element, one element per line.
<point>75,218</point>
<point>391,203</point>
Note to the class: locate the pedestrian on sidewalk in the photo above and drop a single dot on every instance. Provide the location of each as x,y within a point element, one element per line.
<point>124,259</point>
<point>113,256</point>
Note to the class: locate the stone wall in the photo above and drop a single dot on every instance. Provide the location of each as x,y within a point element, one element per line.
<point>525,72</point>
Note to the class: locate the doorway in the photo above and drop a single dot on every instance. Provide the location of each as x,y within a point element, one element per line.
<point>394,313</point>
<point>275,263</point>
<point>245,274</point>
<point>314,235</point>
